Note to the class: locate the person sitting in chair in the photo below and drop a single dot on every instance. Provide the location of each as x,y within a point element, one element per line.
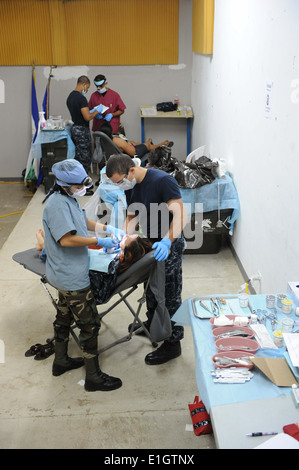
<point>131,249</point>
<point>102,278</point>
<point>130,147</point>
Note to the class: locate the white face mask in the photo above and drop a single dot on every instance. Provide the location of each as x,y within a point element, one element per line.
<point>102,90</point>
<point>127,184</point>
<point>78,192</point>
<point>84,92</point>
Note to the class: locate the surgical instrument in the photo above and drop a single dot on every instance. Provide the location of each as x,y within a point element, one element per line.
<point>204,306</point>
<point>230,333</point>
<point>215,306</point>
<point>223,360</point>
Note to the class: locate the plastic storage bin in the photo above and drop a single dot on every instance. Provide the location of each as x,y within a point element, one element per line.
<point>52,153</point>
<point>212,232</point>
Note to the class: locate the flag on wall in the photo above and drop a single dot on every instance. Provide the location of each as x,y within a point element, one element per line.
<point>30,171</point>
<point>33,170</point>
<point>46,109</point>
<point>46,101</point>
<point>34,108</point>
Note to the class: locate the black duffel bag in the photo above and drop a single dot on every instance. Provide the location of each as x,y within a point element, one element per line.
<point>167,106</point>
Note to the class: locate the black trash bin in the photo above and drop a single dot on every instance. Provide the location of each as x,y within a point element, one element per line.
<point>214,226</point>
<point>52,153</point>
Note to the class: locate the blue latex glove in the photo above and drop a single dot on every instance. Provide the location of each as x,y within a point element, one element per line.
<point>107,242</point>
<point>117,232</point>
<point>108,117</point>
<point>112,250</point>
<point>99,116</point>
<point>162,249</point>
<point>98,108</point>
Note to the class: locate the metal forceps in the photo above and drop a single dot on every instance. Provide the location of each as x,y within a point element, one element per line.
<point>215,306</point>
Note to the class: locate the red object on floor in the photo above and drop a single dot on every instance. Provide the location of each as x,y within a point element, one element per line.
<point>200,418</point>
<point>292,430</point>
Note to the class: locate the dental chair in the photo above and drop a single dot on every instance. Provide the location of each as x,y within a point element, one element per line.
<point>105,147</point>
<point>141,272</point>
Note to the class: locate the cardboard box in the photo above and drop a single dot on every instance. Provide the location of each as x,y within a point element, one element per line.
<point>293,291</point>
<point>277,370</point>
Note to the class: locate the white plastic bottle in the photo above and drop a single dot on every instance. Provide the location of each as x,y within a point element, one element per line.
<point>176,100</point>
<point>42,121</point>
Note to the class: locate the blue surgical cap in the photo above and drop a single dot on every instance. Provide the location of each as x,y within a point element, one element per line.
<point>69,172</point>
<point>100,80</point>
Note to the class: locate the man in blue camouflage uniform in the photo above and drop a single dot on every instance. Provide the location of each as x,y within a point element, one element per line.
<point>83,145</point>
<point>173,289</point>
<point>149,190</point>
<point>80,132</point>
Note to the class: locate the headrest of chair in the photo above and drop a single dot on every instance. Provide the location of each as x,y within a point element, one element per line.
<point>137,273</point>
<point>107,145</point>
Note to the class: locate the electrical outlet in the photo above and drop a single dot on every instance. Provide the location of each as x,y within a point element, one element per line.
<point>256,277</point>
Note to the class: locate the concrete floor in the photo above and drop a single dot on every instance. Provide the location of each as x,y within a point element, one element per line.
<point>37,410</point>
<point>14,198</point>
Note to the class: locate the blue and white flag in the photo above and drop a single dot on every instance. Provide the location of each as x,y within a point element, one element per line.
<point>30,173</point>
<point>46,109</point>
<point>34,108</point>
<point>46,101</point>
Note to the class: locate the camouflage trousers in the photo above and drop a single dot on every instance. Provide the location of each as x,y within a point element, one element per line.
<point>79,307</point>
<point>82,140</point>
<point>173,288</point>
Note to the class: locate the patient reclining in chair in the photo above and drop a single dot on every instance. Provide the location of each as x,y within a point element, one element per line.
<point>130,147</point>
<point>104,267</point>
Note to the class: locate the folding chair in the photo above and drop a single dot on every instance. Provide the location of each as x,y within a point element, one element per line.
<point>139,273</point>
<point>105,146</point>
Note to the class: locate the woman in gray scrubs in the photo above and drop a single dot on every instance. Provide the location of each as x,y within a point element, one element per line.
<point>66,244</point>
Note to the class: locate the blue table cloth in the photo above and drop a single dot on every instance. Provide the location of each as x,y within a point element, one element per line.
<point>220,194</point>
<point>45,137</point>
<point>214,394</point>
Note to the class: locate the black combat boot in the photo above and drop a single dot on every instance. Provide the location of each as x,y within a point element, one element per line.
<point>164,353</point>
<point>96,379</point>
<point>62,362</point>
<point>137,327</point>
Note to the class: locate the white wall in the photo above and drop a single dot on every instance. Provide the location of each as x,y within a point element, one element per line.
<point>255,41</point>
<point>137,85</point>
